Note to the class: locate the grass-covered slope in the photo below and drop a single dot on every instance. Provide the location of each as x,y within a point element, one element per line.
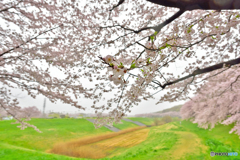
<point>11,152</point>
<point>218,139</point>
<point>53,130</point>
<point>173,141</point>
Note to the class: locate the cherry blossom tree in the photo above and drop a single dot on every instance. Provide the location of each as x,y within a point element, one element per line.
<point>35,38</point>
<point>3,113</point>
<point>31,112</point>
<point>217,101</point>
<point>125,48</point>
<point>170,113</point>
<point>165,42</point>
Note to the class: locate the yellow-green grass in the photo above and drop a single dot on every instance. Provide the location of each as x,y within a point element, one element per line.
<point>11,152</point>
<point>185,141</point>
<point>100,146</point>
<point>217,139</point>
<point>53,131</point>
<point>156,146</point>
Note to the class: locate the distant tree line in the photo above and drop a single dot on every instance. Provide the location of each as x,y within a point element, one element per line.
<point>171,114</point>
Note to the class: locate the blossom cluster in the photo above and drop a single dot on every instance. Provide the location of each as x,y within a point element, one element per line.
<point>151,51</point>
<point>117,70</point>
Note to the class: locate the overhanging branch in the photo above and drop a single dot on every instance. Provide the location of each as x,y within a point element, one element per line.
<point>18,46</point>
<point>119,3</point>
<point>175,16</point>
<point>200,4</point>
<point>205,70</point>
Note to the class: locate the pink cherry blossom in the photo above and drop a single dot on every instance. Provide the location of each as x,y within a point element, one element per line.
<point>118,72</point>
<point>151,53</point>
<point>216,102</point>
<point>109,59</point>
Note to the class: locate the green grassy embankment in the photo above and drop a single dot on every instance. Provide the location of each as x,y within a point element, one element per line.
<point>173,141</point>
<point>53,131</point>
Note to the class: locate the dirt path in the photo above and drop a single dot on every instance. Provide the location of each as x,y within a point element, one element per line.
<point>188,143</point>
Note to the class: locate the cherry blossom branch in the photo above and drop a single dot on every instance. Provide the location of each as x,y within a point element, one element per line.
<point>185,87</point>
<point>140,54</point>
<point>23,124</point>
<point>6,9</point>
<point>213,75</point>
<point>199,4</point>
<point>205,70</point>
<point>18,46</point>
<point>186,47</point>
<point>229,86</point>
<point>158,27</point>
<point>152,94</point>
<point>122,92</point>
<point>137,76</point>
<point>162,76</point>
<point>11,76</point>
<point>119,3</point>
<point>234,81</point>
<point>169,20</point>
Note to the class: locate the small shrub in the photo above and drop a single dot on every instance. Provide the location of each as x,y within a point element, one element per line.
<point>54,115</point>
<point>158,122</point>
<point>167,119</point>
<point>62,116</point>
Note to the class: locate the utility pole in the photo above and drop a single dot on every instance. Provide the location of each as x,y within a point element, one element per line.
<point>44,106</point>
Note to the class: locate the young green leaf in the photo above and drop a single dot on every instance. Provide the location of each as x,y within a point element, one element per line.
<point>133,65</point>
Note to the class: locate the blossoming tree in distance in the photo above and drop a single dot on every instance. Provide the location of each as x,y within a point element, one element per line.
<point>217,101</point>
<point>125,48</point>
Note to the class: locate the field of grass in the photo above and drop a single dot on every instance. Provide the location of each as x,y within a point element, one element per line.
<point>218,139</point>
<point>11,152</point>
<point>53,131</point>
<point>173,141</point>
